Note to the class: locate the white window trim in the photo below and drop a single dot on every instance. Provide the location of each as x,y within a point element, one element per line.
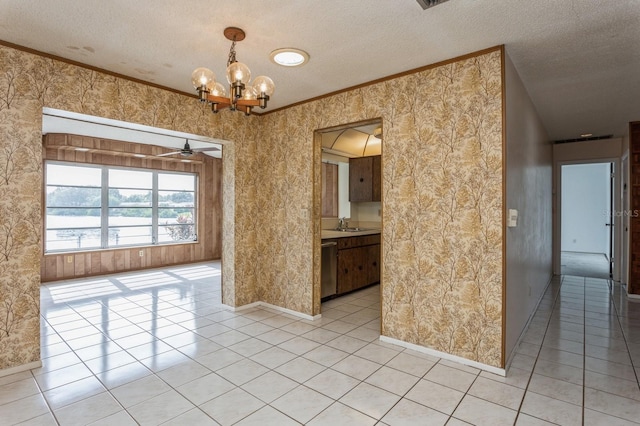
<point>104,208</point>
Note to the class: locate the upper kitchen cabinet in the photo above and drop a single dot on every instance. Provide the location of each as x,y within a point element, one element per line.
<point>365,179</point>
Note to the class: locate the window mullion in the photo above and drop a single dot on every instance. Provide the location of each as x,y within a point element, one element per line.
<point>104,210</point>
<point>154,209</point>
<point>195,206</point>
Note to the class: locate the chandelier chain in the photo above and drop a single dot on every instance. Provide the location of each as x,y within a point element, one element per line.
<point>232,53</point>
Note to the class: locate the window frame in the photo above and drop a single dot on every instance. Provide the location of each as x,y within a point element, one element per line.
<point>105,208</point>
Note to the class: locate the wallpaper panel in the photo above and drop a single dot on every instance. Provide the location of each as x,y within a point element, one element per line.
<point>442,200</point>
<point>27,84</point>
<point>442,204</point>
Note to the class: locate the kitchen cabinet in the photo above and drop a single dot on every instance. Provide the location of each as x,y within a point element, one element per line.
<point>358,262</point>
<point>365,179</point>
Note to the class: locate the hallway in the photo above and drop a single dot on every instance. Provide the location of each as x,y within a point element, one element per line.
<point>157,347</point>
<point>592,265</point>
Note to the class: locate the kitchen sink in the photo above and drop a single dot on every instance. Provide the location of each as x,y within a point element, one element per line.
<point>353,229</point>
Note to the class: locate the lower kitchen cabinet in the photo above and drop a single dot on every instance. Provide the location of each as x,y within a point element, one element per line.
<point>358,262</point>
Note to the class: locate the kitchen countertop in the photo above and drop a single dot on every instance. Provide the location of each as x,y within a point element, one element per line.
<point>330,234</point>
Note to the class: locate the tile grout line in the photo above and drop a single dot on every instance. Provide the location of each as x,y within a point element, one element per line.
<point>624,336</point>
<point>584,345</point>
<point>586,296</point>
<point>269,369</point>
<point>46,401</point>
<point>553,307</point>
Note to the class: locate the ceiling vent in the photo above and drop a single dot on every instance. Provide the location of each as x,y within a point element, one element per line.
<point>426,4</point>
<point>590,138</point>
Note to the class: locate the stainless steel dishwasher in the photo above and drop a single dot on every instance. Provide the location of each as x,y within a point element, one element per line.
<point>329,271</point>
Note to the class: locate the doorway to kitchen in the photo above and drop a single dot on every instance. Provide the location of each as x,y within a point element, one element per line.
<point>587,219</point>
<point>349,199</point>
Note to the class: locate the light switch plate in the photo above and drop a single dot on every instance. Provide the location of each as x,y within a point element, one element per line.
<point>512,218</point>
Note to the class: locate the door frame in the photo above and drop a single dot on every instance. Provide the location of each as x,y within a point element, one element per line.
<point>617,222</point>
<point>317,209</point>
<point>624,227</point>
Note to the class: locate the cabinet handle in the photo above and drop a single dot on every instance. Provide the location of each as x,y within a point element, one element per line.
<point>361,179</point>
<point>375,263</point>
<point>346,271</point>
<point>360,267</point>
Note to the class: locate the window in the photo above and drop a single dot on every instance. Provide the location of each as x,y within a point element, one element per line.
<point>98,207</point>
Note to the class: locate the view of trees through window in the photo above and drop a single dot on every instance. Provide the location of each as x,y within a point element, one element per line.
<point>92,207</point>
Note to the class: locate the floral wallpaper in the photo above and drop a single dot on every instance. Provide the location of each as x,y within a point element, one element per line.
<point>30,82</point>
<point>442,201</point>
<point>442,204</point>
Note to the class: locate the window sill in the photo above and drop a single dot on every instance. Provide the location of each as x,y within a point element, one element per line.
<point>98,250</point>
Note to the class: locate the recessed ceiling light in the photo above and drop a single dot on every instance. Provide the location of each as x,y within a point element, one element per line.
<point>289,57</point>
<point>586,135</point>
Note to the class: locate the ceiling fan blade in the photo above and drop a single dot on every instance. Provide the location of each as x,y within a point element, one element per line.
<point>168,153</point>
<point>213,148</point>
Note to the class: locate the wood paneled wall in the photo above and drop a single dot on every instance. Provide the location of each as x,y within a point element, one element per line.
<point>59,266</point>
<point>329,190</point>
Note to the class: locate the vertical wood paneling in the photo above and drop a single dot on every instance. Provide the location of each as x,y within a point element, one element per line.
<point>78,259</point>
<point>209,210</point>
<point>95,263</point>
<point>107,262</point>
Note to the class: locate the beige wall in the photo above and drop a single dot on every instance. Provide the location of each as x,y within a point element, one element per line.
<point>442,201</point>
<point>529,173</point>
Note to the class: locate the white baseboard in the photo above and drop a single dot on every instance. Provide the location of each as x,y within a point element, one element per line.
<point>275,308</point>
<point>633,296</point>
<point>20,368</point>
<point>491,369</point>
<point>526,327</point>
<point>241,308</point>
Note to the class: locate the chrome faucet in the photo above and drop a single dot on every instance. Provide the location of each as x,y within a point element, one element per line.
<point>342,223</point>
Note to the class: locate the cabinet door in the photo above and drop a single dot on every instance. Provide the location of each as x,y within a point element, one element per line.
<point>373,264</point>
<point>352,272</point>
<point>376,182</point>
<point>360,179</point>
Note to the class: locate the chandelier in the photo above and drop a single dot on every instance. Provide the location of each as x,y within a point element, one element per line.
<point>242,95</point>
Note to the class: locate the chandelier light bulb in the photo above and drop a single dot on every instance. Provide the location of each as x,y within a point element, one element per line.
<point>249,93</point>
<point>263,84</point>
<point>202,77</point>
<point>238,72</point>
<point>217,89</point>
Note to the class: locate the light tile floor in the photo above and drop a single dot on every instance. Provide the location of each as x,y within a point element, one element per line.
<point>156,347</point>
<point>594,265</point>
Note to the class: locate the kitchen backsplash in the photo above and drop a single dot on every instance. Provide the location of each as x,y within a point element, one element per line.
<point>363,215</point>
<point>370,212</point>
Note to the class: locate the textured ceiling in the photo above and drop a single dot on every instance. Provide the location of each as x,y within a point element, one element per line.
<point>579,59</point>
